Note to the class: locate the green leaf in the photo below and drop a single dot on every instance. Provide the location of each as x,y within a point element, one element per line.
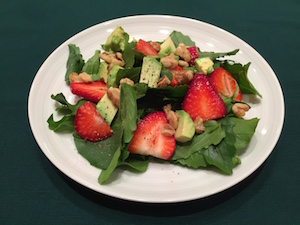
<point>240,74</point>
<point>195,161</point>
<point>166,72</point>
<point>132,73</point>
<point>140,90</point>
<point>66,124</point>
<point>214,55</point>
<point>177,37</point>
<point>105,174</point>
<point>128,111</point>
<point>243,130</point>
<point>128,55</point>
<point>91,67</point>
<point>75,61</point>
<point>212,135</point>
<point>62,100</point>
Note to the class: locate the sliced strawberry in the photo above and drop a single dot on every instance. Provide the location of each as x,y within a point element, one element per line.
<point>224,83</point>
<point>194,54</point>
<point>174,81</point>
<point>90,125</point>
<point>145,48</point>
<point>202,100</point>
<point>92,91</point>
<point>149,140</point>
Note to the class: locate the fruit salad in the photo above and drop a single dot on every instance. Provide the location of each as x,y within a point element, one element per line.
<point>164,100</point>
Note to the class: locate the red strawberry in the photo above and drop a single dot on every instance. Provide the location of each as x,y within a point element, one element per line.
<point>224,83</point>
<point>194,54</point>
<point>93,91</point>
<point>202,100</point>
<point>145,48</point>
<point>90,125</point>
<point>174,81</point>
<point>149,140</point>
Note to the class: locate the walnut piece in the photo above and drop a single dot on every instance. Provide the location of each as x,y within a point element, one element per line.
<point>127,81</point>
<point>183,53</point>
<point>114,95</point>
<point>112,58</point>
<point>155,45</point>
<point>199,127</point>
<point>169,61</point>
<point>172,116</point>
<point>183,76</point>
<point>168,130</point>
<point>163,82</point>
<point>82,77</point>
<point>183,63</point>
<point>240,109</point>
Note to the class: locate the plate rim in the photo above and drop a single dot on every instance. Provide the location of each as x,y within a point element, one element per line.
<point>32,87</point>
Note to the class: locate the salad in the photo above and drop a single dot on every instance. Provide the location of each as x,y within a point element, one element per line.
<point>164,100</point>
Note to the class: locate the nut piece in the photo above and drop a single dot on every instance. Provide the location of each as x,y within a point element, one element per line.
<point>183,76</point>
<point>183,63</point>
<point>114,95</point>
<point>169,61</point>
<point>199,127</point>
<point>112,58</point>
<point>172,116</point>
<point>183,53</point>
<point>127,81</point>
<point>163,82</point>
<point>240,109</point>
<point>168,130</point>
<point>155,45</point>
<point>82,77</point>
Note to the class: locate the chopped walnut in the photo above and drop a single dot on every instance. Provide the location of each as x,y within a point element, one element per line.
<point>168,130</point>
<point>172,116</point>
<point>112,58</point>
<point>183,63</point>
<point>183,53</point>
<point>240,109</point>
<point>114,95</point>
<point>155,45</point>
<point>82,77</point>
<point>169,61</point>
<point>183,76</point>
<point>199,127</point>
<point>127,81</point>
<point>163,82</point>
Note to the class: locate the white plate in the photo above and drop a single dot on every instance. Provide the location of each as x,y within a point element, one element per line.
<point>162,182</point>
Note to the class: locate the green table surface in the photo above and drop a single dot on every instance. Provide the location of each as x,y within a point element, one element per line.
<point>33,191</point>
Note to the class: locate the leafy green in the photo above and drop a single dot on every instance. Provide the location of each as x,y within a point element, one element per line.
<point>177,37</point>
<point>65,124</point>
<point>131,73</point>
<point>75,61</point>
<point>240,74</point>
<point>91,67</point>
<point>214,55</point>
<point>129,55</point>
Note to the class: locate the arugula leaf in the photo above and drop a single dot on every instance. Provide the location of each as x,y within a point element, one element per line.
<point>165,71</point>
<point>240,74</point>
<point>62,100</point>
<point>65,124</point>
<point>91,67</point>
<point>131,73</point>
<point>75,61</point>
<point>177,37</point>
<point>212,135</point>
<point>128,111</point>
<point>128,55</point>
<point>214,55</point>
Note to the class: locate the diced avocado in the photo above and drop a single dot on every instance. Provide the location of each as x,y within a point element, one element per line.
<point>150,71</point>
<point>115,41</point>
<point>186,127</point>
<point>103,72</point>
<point>112,75</point>
<point>107,109</point>
<point>204,65</point>
<point>166,48</point>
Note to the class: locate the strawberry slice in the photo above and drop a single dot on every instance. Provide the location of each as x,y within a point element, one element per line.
<point>224,83</point>
<point>174,81</point>
<point>92,91</point>
<point>90,125</point>
<point>202,100</point>
<point>149,140</point>
<point>194,54</point>
<point>145,48</point>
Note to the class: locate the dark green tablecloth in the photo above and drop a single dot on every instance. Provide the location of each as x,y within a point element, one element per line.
<point>33,191</point>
